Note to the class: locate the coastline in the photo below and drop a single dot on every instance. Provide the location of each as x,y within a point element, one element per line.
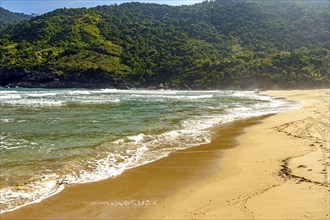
<point>137,190</point>
<point>279,170</point>
<point>255,179</point>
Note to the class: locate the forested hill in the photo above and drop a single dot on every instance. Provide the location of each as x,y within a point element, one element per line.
<point>220,44</point>
<point>8,17</point>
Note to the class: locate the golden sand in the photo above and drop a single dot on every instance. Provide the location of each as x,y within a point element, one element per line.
<point>280,170</point>
<point>274,167</point>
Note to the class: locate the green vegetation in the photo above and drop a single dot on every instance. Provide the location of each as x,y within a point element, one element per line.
<point>8,18</point>
<point>220,44</point>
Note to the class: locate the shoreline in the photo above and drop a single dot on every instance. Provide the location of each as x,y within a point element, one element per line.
<point>161,86</point>
<point>153,182</point>
<point>254,179</point>
<point>279,170</point>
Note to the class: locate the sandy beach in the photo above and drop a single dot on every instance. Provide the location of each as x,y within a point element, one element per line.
<point>271,167</point>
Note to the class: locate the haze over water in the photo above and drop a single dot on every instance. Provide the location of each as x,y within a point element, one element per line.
<point>50,138</point>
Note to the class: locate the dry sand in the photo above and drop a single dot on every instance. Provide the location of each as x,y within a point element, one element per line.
<point>276,169</point>
<point>280,170</point>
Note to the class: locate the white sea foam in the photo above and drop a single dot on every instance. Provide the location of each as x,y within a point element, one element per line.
<point>112,165</point>
<point>137,91</point>
<point>106,91</point>
<point>139,149</point>
<point>188,96</point>
<point>135,151</point>
<point>99,101</point>
<point>7,92</point>
<point>9,143</point>
<point>12,198</point>
<point>200,96</point>
<point>79,92</point>
<point>41,94</point>
<point>36,102</point>
<point>10,96</point>
<point>6,120</point>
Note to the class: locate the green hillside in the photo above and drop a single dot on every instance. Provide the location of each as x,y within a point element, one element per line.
<point>8,17</point>
<point>221,44</point>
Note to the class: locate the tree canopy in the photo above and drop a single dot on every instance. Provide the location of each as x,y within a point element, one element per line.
<point>219,44</point>
<point>8,17</point>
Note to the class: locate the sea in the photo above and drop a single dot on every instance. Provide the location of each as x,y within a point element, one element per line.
<point>50,138</point>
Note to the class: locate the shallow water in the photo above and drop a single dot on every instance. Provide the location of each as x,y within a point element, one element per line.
<point>53,137</point>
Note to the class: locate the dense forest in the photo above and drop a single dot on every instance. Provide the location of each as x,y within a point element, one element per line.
<point>9,18</point>
<point>217,44</point>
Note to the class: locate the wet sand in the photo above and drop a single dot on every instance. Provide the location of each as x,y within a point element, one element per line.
<point>139,189</point>
<point>279,170</point>
<point>272,167</point>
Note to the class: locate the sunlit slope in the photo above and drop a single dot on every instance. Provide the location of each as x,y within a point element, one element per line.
<point>209,45</point>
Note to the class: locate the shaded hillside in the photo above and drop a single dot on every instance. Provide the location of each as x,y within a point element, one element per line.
<point>218,44</point>
<point>8,17</point>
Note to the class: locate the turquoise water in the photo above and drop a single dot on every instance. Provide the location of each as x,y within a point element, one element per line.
<point>53,137</point>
